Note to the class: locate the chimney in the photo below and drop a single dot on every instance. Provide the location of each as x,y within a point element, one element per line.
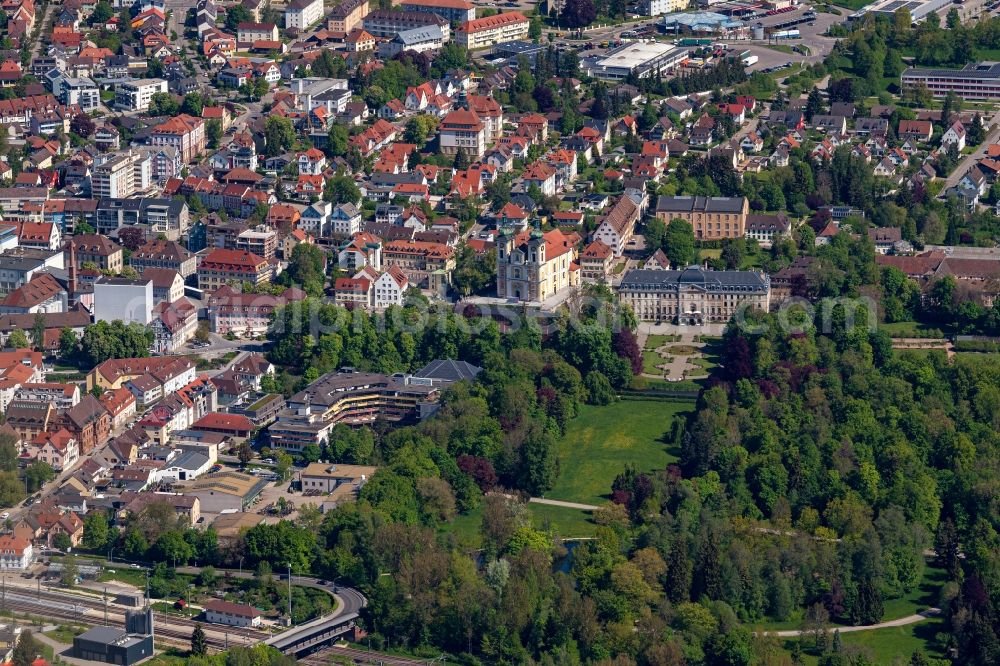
<point>72,272</point>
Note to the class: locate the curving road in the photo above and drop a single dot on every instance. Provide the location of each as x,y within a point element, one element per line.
<point>349,599</point>
<point>898,622</point>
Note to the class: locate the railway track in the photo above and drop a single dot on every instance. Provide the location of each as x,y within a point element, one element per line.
<point>76,613</point>
<point>94,604</point>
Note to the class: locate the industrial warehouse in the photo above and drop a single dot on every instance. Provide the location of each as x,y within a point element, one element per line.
<point>640,58</point>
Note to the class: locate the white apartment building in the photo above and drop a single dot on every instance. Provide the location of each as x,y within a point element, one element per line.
<point>82,91</point>
<point>303,13</point>
<point>115,178</point>
<point>389,288</point>
<point>15,552</point>
<point>483,32</point>
<point>135,95</point>
<point>345,220</point>
<point>658,7</point>
<point>248,33</point>
<point>124,299</point>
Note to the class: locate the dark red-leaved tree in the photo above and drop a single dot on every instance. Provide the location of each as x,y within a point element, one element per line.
<point>738,361</point>
<point>479,470</point>
<point>131,238</point>
<point>627,347</point>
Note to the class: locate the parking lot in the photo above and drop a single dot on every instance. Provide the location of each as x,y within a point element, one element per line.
<point>769,58</point>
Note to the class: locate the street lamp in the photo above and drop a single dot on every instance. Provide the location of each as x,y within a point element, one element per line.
<point>241,566</point>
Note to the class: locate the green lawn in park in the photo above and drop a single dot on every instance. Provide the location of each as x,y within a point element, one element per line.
<point>601,441</point>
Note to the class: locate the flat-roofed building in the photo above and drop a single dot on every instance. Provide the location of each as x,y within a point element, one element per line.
<point>136,95</point>
<point>974,81</point>
<point>115,177</point>
<point>354,398</point>
<point>693,296</point>
<point>641,59</point>
<point>227,490</point>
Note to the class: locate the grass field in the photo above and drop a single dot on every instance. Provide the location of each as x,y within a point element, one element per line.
<point>651,359</point>
<point>891,645</point>
<point>564,523</point>
<point>918,353</point>
<point>850,4</point>
<point>654,384</point>
<point>911,329</point>
<point>654,341</point>
<point>64,633</point>
<point>601,441</point>
<point>783,48</point>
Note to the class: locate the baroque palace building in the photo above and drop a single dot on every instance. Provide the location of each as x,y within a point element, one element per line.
<point>693,295</point>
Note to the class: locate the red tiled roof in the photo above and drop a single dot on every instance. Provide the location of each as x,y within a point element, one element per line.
<point>492,22</point>
<point>219,421</point>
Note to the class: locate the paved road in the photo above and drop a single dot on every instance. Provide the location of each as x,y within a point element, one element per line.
<point>43,22</point>
<point>899,622</point>
<point>966,162</point>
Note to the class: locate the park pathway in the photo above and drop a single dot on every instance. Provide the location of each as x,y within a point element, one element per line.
<point>898,622</point>
<point>565,505</point>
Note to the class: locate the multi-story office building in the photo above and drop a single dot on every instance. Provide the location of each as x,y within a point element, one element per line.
<point>353,398</point>
<point>974,81</point>
<point>169,217</point>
